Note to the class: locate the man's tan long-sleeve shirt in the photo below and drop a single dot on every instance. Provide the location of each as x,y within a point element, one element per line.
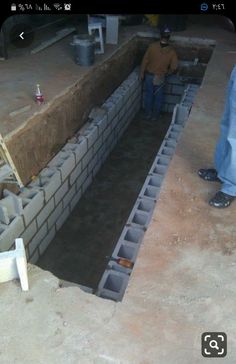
<point>159,60</point>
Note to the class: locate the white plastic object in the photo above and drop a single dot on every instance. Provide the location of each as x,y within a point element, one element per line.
<point>13,264</point>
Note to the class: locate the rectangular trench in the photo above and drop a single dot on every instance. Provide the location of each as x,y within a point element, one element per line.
<point>71,209</point>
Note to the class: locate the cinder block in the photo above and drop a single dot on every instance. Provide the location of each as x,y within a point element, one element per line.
<point>131,235</point>
<point>37,239</point>
<point>64,162</point>
<point>139,219</point>
<point>97,168</point>
<point>78,149</point>
<point>45,212</point>
<point>163,161</point>
<point>158,169</point>
<point>110,107</point>
<point>55,215</point>
<point>106,133</point>
<point>91,135</point>
<point>92,164</point>
<point>35,257</point>
<point>47,240</point>
<point>33,202</point>
<point>149,191</point>
<point>155,181</point>
<point>75,173</point>
<point>182,114</point>
<point>97,145</point>
<point>101,151</point>
<point>9,233</point>
<point>10,206</point>
<point>49,181</point>
<point>167,151</point>
<point>87,158</point>
<point>126,250</point>
<point>101,124</point>
<point>59,195</point>
<point>68,197</point>
<point>114,121</point>
<point>82,148</point>
<point>62,218</point>
<point>87,183</point>
<point>75,199</point>
<point>176,128</point>
<point>145,205</point>
<point>113,285</point>
<point>178,89</point>
<point>174,135</point>
<point>171,143</point>
<point>29,232</point>
<point>80,180</point>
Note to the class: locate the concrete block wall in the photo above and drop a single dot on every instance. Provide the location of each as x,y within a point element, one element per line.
<point>43,206</point>
<point>115,278</point>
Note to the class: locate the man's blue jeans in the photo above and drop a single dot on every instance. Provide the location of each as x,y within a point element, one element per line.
<point>225,153</point>
<point>153,97</point>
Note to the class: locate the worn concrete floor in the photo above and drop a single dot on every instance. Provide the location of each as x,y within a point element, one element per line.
<point>79,250</point>
<point>183,282</point>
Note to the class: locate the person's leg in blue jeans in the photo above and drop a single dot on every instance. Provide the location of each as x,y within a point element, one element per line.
<point>225,154</point>
<point>225,151</point>
<point>158,100</point>
<point>148,96</point>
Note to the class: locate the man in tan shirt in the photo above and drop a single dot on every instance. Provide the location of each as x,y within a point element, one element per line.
<point>159,60</point>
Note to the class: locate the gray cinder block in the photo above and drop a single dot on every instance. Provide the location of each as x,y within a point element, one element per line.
<point>10,233</point>
<point>63,217</point>
<point>55,215</point>
<point>59,195</point>
<point>75,173</point>
<point>69,196</point>
<point>112,285</point>
<point>42,232</point>
<point>49,181</point>
<point>78,149</point>
<point>75,199</point>
<point>87,158</point>
<point>126,250</point>
<point>47,240</point>
<point>91,135</point>
<point>45,212</point>
<point>33,202</point>
<point>64,162</point>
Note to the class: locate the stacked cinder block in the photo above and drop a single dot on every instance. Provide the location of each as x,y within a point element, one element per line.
<point>42,207</point>
<point>115,278</point>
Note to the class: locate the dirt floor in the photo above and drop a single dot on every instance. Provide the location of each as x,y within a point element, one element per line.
<point>78,252</point>
<point>183,282</point>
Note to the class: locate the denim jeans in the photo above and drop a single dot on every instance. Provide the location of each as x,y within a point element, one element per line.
<point>153,97</point>
<point>225,152</point>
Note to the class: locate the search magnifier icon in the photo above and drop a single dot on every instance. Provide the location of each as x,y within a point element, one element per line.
<point>213,344</point>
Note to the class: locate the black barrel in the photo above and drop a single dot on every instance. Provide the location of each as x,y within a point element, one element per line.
<point>84,49</point>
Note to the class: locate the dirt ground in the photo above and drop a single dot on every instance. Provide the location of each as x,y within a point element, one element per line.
<point>80,250</point>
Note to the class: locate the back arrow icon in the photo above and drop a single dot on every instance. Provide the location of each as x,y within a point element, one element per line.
<point>21,35</point>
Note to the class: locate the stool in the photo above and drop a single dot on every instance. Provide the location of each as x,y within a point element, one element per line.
<point>92,28</point>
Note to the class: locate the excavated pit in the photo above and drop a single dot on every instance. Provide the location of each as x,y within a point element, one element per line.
<point>83,249</point>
